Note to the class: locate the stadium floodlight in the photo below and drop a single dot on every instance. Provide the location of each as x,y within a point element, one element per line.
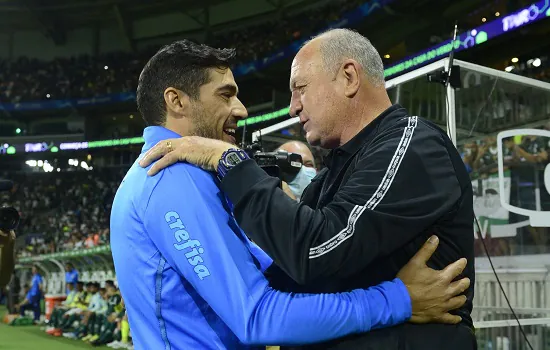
<point>47,167</point>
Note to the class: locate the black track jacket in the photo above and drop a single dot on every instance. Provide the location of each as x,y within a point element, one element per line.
<point>362,218</point>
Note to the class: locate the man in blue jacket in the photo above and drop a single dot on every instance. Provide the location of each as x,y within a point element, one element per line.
<point>34,295</point>
<point>190,277</point>
<point>71,275</point>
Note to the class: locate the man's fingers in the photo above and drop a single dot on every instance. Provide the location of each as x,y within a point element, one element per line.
<point>450,319</point>
<point>455,303</point>
<point>162,163</point>
<point>458,287</point>
<point>454,270</point>
<point>150,156</point>
<point>159,150</point>
<point>425,253</point>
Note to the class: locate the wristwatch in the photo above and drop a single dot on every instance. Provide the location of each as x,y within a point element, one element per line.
<point>230,159</point>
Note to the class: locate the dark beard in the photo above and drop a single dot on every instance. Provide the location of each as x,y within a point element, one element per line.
<point>202,126</point>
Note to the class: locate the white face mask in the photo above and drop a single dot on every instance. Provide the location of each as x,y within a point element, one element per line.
<point>302,180</point>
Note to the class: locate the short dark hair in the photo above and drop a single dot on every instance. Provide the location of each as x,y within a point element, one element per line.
<point>183,65</point>
<point>109,283</point>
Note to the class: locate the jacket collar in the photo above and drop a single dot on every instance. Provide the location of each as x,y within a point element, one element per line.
<point>352,146</point>
<point>153,134</point>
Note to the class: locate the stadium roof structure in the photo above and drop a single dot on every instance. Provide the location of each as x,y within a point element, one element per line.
<point>55,18</point>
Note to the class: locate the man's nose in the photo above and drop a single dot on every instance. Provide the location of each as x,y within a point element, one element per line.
<point>295,106</point>
<point>239,111</point>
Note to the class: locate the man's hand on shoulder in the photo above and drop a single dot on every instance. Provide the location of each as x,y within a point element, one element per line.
<point>433,293</point>
<point>203,152</point>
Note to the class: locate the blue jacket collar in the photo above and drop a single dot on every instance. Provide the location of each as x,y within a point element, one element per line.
<point>154,134</point>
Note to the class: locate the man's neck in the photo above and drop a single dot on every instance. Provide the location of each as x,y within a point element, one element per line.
<point>181,129</point>
<point>361,117</point>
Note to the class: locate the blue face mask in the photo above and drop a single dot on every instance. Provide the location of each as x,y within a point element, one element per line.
<point>302,180</point>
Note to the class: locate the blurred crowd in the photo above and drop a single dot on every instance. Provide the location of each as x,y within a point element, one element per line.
<point>524,161</point>
<point>63,211</point>
<point>537,68</point>
<point>84,76</point>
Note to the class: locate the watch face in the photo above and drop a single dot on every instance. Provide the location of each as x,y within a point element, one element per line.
<point>232,159</point>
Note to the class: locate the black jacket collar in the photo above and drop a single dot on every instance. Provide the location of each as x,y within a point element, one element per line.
<point>356,143</point>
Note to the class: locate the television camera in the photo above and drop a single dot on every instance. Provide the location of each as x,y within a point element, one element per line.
<point>280,164</point>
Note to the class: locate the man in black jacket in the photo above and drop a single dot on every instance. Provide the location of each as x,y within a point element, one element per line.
<point>7,258</point>
<point>391,181</point>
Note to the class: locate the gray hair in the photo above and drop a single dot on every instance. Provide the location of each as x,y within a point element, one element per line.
<point>339,44</point>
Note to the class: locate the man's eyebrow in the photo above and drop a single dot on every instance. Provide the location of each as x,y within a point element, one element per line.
<point>295,82</point>
<point>229,87</point>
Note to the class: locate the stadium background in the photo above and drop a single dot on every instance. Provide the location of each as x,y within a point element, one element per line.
<point>69,127</point>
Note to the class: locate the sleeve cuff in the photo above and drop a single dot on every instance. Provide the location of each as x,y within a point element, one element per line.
<point>240,179</point>
<point>385,305</point>
<point>403,297</point>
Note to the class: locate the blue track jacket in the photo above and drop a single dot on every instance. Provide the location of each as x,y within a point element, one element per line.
<point>191,279</point>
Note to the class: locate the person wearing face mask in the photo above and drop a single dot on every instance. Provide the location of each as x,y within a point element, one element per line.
<point>306,173</point>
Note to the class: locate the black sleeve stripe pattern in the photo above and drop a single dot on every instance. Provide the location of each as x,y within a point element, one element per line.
<point>376,197</point>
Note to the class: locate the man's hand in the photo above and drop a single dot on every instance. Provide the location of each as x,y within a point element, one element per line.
<point>433,293</point>
<point>203,152</point>
<point>6,237</point>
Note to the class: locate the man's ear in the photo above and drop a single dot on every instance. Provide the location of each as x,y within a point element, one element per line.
<point>351,73</point>
<point>177,102</point>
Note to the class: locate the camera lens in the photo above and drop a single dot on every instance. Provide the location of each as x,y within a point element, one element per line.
<point>9,218</point>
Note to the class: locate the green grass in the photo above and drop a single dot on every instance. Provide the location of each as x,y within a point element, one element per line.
<point>32,338</point>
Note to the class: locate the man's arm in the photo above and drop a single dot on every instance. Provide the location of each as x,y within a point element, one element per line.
<point>7,256</point>
<point>186,220</point>
<point>399,188</point>
<point>540,157</point>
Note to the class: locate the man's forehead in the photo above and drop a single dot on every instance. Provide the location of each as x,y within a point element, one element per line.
<point>297,147</point>
<point>304,63</point>
<point>222,77</point>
